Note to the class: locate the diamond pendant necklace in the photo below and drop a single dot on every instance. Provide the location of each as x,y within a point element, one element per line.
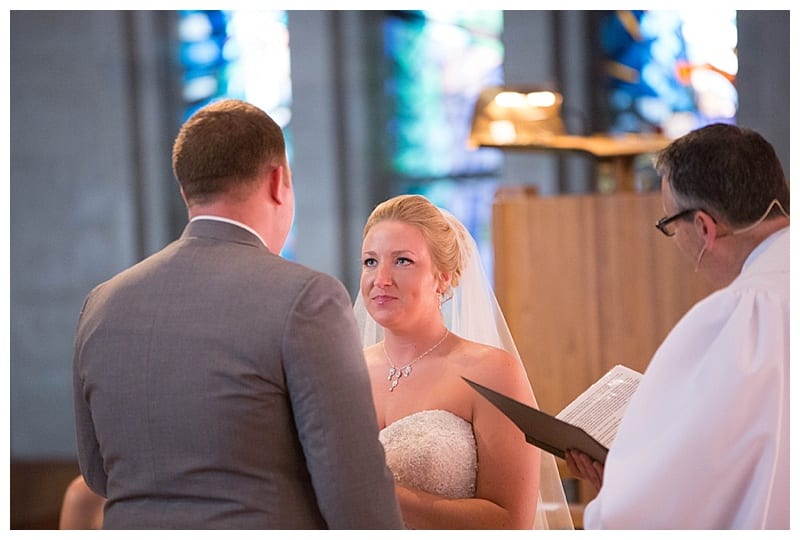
<point>396,373</point>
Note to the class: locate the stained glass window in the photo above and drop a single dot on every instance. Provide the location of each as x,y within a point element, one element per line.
<point>438,62</point>
<point>670,71</point>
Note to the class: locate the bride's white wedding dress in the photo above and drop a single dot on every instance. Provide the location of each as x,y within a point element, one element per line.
<point>433,451</point>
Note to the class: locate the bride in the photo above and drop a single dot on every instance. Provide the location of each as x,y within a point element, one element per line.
<point>428,318</point>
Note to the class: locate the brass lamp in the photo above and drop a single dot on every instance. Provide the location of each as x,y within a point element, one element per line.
<point>515,116</point>
<point>529,119</point>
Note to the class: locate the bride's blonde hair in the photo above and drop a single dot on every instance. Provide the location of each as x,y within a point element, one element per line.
<point>442,238</point>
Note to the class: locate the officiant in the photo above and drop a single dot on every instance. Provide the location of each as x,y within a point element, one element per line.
<point>704,443</point>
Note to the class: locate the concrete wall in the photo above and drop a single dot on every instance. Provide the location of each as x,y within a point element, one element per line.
<point>763,83</point>
<point>89,195</point>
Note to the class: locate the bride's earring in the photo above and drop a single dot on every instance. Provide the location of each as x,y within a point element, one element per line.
<point>444,297</point>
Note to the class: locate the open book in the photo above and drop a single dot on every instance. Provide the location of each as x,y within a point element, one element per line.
<point>588,424</point>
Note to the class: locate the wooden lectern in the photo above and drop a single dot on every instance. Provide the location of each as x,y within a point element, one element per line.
<point>586,282</point>
<point>614,155</point>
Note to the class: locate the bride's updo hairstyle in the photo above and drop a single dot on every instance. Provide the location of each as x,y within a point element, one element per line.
<point>442,238</point>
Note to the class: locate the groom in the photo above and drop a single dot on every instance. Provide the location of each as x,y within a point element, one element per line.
<point>217,385</point>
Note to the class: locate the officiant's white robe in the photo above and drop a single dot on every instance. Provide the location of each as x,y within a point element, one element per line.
<point>705,440</point>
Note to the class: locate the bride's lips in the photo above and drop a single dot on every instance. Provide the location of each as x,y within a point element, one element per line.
<point>382,299</point>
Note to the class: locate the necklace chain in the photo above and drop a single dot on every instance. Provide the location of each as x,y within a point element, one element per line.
<point>396,373</point>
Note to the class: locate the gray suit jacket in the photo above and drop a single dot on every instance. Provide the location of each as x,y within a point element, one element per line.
<point>217,385</point>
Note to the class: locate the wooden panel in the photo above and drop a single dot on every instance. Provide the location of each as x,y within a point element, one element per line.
<point>536,249</point>
<point>587,282</point>
<point>627,240</point>
<point>37,490</point>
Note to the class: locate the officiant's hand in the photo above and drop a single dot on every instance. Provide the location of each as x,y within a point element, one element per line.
<point>586,468</point>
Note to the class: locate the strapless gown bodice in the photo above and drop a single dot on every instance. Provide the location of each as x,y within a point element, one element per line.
<point>433,451</point>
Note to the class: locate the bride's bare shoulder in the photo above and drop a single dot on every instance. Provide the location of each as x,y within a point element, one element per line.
<point>479,362</point>
<point>475,355</point>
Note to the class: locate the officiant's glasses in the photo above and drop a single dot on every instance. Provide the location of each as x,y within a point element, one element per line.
<point>667,223</point>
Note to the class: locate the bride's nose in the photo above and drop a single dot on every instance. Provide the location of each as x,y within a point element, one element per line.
<point>383,275</point>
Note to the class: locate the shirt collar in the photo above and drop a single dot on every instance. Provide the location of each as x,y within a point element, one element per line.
<point>232,222</point>
<point>768,241</point>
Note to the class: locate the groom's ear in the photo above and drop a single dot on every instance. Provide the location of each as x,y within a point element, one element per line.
<point>277,184</point>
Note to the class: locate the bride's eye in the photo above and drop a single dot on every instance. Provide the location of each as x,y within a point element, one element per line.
<point>370,262</point>
<point>404,261</point>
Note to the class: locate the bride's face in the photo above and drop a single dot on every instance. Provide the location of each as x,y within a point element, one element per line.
<point>398,280</point>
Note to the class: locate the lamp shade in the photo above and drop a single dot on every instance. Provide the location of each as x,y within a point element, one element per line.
<point>515,116</point>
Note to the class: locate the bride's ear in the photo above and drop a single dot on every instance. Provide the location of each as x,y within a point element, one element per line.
<point>444,280</point>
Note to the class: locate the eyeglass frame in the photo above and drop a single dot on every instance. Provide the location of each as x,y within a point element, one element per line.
<point>662,223</point>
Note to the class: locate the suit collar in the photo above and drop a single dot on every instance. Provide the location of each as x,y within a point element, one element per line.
<point>227,230</point>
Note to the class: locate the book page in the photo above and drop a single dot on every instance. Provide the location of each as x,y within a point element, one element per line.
<point>600,408</point>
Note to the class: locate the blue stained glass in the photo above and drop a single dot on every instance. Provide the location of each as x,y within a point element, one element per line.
<point>201,53</point>
<point>200,88</point>
<point>670,71</point>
